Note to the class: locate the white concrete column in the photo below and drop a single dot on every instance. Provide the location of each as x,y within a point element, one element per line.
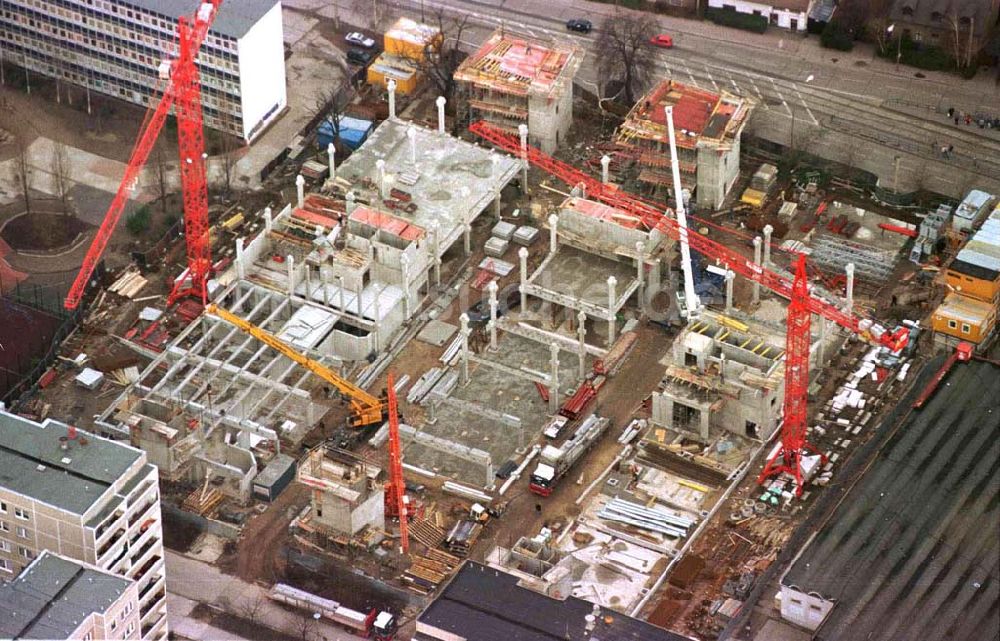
<point>756,259</point>
<point>324,279</point>
<point>605,169</point>
<point>268,222</point>
<point>581,337</point>
<point>404,262</point>
<point>494,172</point>
<point>640,257</point>
<point>553,233</point>
<point>554,378</point>
<point>331,155</point>
<point>308,270</point>
<point>849,303</point>
<point>612,297</point>
<point>240,267</point>
<point>435,235</point>
<point>391,87</point>
<point>349,205</point>
<point>467,238</point>
<point>522,129</point>
<point>768,230</point>
<point>380,177</point>
<point>522,254</point>
<point>290,261</point>
<point>492,289</point>
<point>343,304</point>
<point>441,101</point>
<point>300,190</point>
<point>824,329</point>
<point>411,134</point>
<point>464,319</point>
<point>730,278</point>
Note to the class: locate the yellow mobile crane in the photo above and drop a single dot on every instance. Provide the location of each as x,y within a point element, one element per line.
<point>366,409</point>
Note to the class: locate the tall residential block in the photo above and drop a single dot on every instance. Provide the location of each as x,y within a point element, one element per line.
<point>86,498</point>
<point>59,598</point>
<point>116,48</point>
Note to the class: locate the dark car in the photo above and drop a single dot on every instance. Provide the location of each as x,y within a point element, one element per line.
<point>579,25</point>
<point>507,299</point>
<point>360,56</point>
<point>506,470</point>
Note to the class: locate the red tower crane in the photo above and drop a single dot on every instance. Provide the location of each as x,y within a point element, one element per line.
<point>181,90</point>
<point>395,488</point>
<point>796,290</point>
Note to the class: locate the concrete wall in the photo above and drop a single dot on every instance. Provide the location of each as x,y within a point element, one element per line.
<point>718,170</point>
<point>261,55</point>
<point>549,120</point>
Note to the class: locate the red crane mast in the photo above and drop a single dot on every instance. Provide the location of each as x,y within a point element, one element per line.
<point>180,89</point>
<point>796,290</point>
<point>395,488</point>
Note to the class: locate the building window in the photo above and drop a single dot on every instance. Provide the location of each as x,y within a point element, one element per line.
<point>4,545</point>
<point>6,566</point>
<point>25,552</point>
<point>130,629</point>
<point>22,532</point>
<point>4,527</point>
<point>952,324</point>
<point>3,507</point>
<point>114,625</point>
<point>965,328</point>
<point>22,514</point>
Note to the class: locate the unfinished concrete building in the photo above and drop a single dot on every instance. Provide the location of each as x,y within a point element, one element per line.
<point>515,79</point>
<point>598,258</point>
<point>720,378</point>
<point>708,127</point>
<point>347,494</point>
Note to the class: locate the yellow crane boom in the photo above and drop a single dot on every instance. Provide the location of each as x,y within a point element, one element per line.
<point>366,409</point>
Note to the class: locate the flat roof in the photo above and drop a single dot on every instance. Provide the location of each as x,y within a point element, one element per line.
<point>413,32</point>
<point>53,596</point>
<point>485,604</point>
<point>600,211</point>
<point>519,63</point>
<point>697,113</point>
<point>583,276</point>
<point>235,17</point>
<point>911,550</point>
<point>33,465</point>
<point>966,309</point>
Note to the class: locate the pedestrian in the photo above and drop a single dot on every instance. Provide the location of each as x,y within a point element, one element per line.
<point>968,119</point>
<point>951,111</point>
<point>956,120</point>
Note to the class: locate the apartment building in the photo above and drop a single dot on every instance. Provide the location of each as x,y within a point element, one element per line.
<point>115,47</point>
<point>84,497</point>
<point>59,598</point>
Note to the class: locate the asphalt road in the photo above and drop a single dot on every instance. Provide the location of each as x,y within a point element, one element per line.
<point>850,107</point>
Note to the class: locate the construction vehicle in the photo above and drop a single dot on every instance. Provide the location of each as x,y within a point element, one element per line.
<point>556,461</point>
<point>483,513</point>
<point>963,352</point>
<point>180,91</point>
<point>376,625</point>
<point>787,458</point>
<point>396,502</point>
<point>366,409</point>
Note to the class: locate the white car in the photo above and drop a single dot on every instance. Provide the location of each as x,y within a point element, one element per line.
<point>360,39</point>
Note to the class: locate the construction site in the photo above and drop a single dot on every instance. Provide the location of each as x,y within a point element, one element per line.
<point>486,374</point>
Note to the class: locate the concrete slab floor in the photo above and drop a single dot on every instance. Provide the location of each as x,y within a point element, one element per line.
<point>576,273</point>
<point>499,392</point>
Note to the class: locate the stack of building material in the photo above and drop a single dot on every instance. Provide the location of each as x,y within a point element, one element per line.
<point>642,517</point>
<point>525,235</point>
<point>496,247</point>
<point>428,571</point>
<point>499,267</point>
<point>427,533</point>
<point>424,384</point>
<point>314,170</point>
<point>203,501</point>
<point>89,378</point>
<point>504,230</point>
<point>462,537</point>
<point>128,284</point>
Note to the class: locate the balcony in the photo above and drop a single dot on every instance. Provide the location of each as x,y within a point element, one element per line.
<point>141,512</point>
<point>157,621</point>
<point>113,540</point>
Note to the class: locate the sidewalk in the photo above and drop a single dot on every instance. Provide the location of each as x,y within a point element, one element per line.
<point>193,582</point>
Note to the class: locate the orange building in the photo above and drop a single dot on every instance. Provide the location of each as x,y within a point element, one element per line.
<point>964,318</point>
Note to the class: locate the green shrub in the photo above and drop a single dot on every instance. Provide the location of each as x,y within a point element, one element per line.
<point>730,18</point>
<point>836,36</point>
<point>138,221</point>
<point>911,53</point>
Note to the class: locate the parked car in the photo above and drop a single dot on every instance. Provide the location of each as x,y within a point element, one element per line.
<point>507,299</point>
<point>579,25</point>
<point>505,470</point>
<point>663,40</point>
<point>360,39</point>
<point>360,57</point>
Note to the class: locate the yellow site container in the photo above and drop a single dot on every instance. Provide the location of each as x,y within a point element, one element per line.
<point>753,197</point>
<point>388,67</point>
<point>411,39</point>
<point>965,318</point>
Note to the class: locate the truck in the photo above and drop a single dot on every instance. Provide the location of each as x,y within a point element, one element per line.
<point>374,624</point>
<point>556,461</point>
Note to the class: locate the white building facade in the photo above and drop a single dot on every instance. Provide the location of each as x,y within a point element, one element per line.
<point>789,14</point>
<point>115,48</point>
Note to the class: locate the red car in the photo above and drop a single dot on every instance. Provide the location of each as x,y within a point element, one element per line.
<point>662,40</point>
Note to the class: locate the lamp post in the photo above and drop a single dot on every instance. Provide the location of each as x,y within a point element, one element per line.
<point>899,43</point>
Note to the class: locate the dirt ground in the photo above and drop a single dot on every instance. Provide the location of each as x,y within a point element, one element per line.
<point>257,555</point>
<point>42,231</point>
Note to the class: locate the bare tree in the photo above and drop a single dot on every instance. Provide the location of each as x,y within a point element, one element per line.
<point>252,609</point>
<point>441,57</point>
<point>61,173</point>
<point>159,177</point>
<point>962,36</point>
<point>331,102</point>
<point>304,626</point>
<point>625,51</point>
<point>22,170</point>
<point>228,157</point>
